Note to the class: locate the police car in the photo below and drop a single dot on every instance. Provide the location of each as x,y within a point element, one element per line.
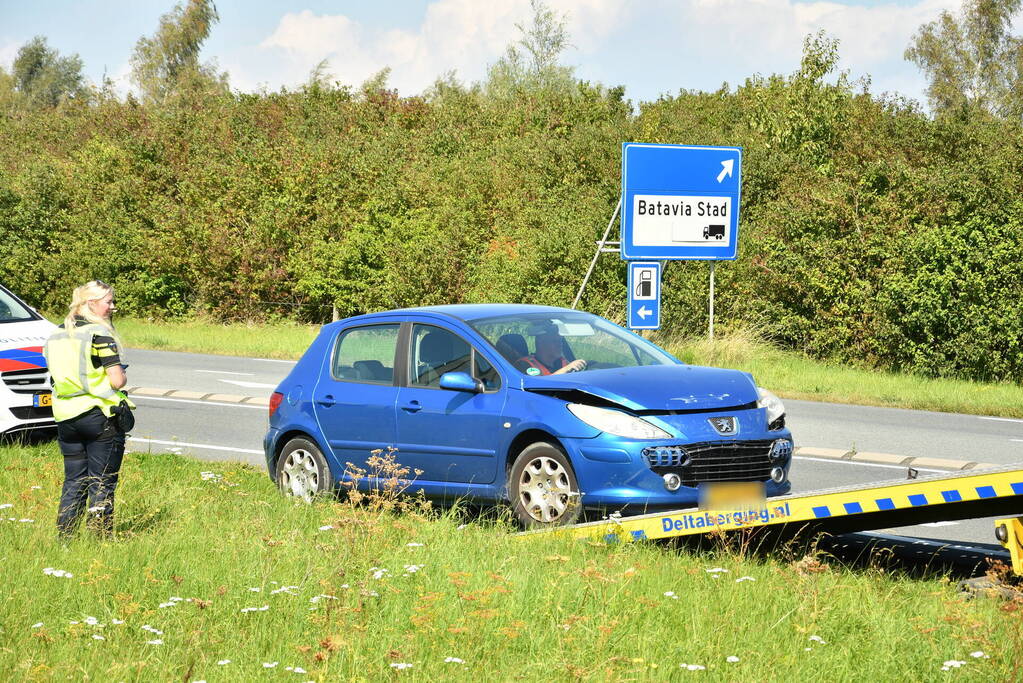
<point>25,399</point>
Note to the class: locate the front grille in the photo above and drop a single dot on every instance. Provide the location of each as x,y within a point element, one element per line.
<point>26,381</point>
<point>32,413</point>
<point>719,461</point>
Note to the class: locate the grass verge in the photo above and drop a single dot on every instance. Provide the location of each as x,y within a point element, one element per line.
<point>790,375</point>
<point>215,576</point>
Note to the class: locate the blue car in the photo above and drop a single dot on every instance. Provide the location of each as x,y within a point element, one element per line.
<point>550,410</point>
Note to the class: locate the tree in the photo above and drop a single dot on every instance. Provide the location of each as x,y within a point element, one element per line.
<point>532,62</point>
<point>44,78</point>
<point>168,63</point>
<point>971,60</point>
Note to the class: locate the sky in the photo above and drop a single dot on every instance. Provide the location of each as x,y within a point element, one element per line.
<point>652,47</point>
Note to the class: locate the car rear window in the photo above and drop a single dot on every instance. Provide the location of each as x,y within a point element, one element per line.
<point>366,354</point>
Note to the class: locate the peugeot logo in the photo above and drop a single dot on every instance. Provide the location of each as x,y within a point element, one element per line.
<point>725,426</point>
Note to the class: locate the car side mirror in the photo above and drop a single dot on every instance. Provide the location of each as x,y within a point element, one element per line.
<point>460,381</point>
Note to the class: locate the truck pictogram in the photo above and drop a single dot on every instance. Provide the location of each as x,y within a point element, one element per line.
<point>715,231</point>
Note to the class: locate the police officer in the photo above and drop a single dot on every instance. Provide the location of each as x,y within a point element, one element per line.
<point>92,416</point>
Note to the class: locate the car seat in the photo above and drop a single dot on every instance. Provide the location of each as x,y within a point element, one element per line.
<point>512,347</point>
<point>434,352</point>
<point>372,370</point>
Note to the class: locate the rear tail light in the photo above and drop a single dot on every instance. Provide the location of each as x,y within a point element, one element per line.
<point>275,402</point>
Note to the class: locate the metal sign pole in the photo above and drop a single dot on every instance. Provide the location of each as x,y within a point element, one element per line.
<point>712,300</point>
<point>600,248</point>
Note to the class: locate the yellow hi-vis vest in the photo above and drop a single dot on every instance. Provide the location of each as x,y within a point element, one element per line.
<point>77,385</point>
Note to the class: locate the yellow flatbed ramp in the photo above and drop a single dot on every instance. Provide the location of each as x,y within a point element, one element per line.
<point>976,494</point>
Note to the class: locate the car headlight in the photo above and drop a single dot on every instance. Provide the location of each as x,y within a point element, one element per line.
<point>775,408</point>
<point>616,422</point>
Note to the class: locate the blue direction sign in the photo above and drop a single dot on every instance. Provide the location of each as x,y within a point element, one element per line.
<point>680,201</point>
<point>644,295</point>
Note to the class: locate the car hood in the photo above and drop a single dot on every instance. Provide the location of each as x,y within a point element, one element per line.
<point>656,387</point>
<point>21,344</point>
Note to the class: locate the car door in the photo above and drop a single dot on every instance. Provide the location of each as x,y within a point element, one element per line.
<point>355,396</point>
<point>451,436</point>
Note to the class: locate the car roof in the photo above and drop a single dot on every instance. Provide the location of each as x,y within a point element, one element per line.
<point>470,312</point>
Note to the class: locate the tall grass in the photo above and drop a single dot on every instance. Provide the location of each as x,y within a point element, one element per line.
<point>207,568</point>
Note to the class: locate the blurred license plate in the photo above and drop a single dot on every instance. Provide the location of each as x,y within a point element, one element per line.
<point>42,400</point>
<point>732,495</point>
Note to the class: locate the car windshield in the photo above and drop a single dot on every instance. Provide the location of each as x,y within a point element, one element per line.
<point>12,310</point>
<point>579,335</point>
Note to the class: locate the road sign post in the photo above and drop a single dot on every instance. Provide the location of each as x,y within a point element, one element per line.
<point>644,295</point>
<point>680,202</point>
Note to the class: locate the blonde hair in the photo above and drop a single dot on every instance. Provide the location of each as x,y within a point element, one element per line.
<point>93,290</point>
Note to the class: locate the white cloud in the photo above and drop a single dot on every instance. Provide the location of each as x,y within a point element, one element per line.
<point>8,51</point>
<point>464,36</point>
<point>666,44</point>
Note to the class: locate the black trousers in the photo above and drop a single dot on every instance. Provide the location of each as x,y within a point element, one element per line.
<point>93,446</point>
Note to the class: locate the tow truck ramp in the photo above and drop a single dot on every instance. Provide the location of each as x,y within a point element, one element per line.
<point>994,492</point>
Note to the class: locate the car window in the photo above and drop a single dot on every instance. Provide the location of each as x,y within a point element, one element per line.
<point>435,351</point>
<point>582,335</point>
<point>11,310</point>
<point>486,373</point>
<point>366,354</point>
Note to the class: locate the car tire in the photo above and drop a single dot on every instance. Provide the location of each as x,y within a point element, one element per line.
<point>302,471</point>
<point>542,487</point>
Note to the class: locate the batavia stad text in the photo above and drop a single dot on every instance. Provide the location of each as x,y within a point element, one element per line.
<point>683,208</point>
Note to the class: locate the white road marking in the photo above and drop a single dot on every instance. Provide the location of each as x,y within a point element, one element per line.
<point>938,524</point>
<point>227,372</point>
<point>869,464</point>
<point>248,385</point>
<point>274,360</point>
<point>205,403</point>
<point>205,446</point>
<point>1001,419</point>
<point>1017,440</point>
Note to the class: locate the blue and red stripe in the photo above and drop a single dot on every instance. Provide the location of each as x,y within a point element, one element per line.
<point>26,358</point>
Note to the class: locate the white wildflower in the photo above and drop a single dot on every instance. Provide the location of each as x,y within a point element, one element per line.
<point>322,596</point>
<point>693,667</point>
<point>222,662</point>
<point>378,572</point>
<point>96,636</point>
<point>978,654</point>
<point>453,660</point>
<point>27,521</point>
<point>158,641</point>
<point>36,488</point>
<point>717,570</point>
<point>818,639</point>
<point>37,625</point>
<point>401,666</point>
<point>744,578</point>
<point>326,527</point>
<point>167,604</point>
<point>154,631</point>
<point>255,589</point>
<point>413,545</point>
<point>731,659</point>
<point>116,621</point>
<point>269,665</point>
<point>6,505</point>
<point>284,589</point>
<point>670,594</point>
<point>953,664</point>
<point>91,621</point>
<point>461,526</point>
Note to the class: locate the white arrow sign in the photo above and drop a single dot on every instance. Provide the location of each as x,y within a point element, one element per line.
<point>726,169</point>
<point>643,312</point>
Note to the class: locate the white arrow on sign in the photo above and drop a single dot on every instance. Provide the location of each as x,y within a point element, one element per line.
<point>726,169</point>
<point>643,312</point>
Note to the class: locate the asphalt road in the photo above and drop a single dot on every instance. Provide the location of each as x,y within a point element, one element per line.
<point>212,430</point>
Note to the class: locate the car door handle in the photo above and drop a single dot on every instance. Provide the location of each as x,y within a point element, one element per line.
<point>327,401</point>
<point>412,407</point>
